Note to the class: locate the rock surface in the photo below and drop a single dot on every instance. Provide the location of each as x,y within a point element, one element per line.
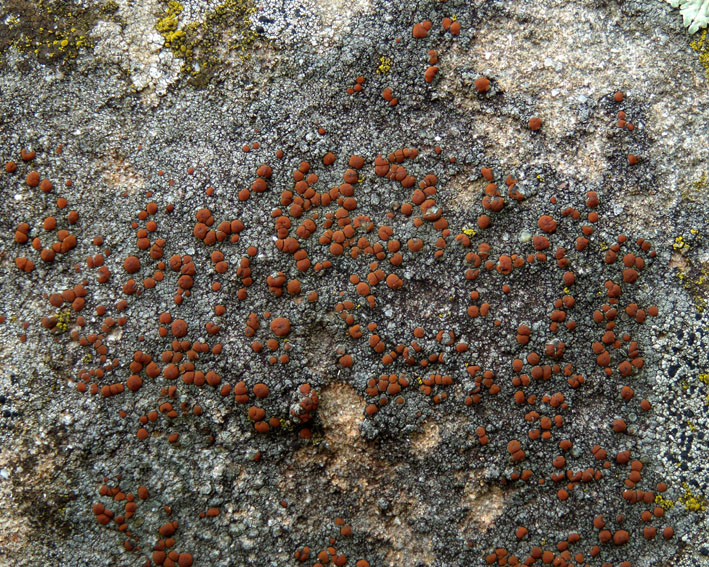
<point>207,361</point>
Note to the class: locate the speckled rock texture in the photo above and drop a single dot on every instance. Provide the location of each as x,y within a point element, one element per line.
<point>366,283</point>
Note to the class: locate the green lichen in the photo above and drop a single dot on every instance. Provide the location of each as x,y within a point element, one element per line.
<point>205,47</point>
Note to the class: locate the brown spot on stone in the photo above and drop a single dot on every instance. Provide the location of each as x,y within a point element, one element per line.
<point>131,264</point>
<point>179,328</point>
<point>280,326</point>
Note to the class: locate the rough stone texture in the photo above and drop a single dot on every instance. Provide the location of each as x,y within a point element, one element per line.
<point>121,119</point>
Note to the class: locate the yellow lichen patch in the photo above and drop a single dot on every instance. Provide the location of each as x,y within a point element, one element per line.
<point>110,7</point>
<point>201,45</point>
<point>680,245</point>
<point>51,31</point>
<point>692,275</point>
<point>169,22</point>
<point>168,26</point>
<point>384,65</point>
<point>696,190</point>
<point>665,503</point>
<point>701,46</point>
<point>63,319</point>
<point>692,502</point>
<point>704,379</point>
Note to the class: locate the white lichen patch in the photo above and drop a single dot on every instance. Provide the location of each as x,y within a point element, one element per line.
<point>137,49</point>
<point>695,13</point>
<point>318,23</point>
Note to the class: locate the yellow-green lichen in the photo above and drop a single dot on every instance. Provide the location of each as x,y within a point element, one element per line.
<point>110,7</point>
<point>680,245</point>
<point>696,190</point>
<point>384,65</point>
<point>701,46</point>
<point>704,379</point>
<point>206,46</point>
<point>663,502</point>
<point>51,31</point>
<point>63,321</point>
<point>692,502</point>
<point>692,274</point>
<point>316,440</point>
<point>167,25</point>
